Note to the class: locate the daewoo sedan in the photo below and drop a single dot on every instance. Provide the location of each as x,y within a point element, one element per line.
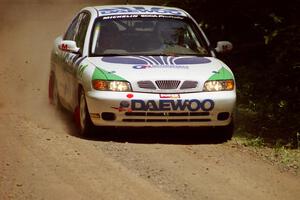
<point>139,66</point>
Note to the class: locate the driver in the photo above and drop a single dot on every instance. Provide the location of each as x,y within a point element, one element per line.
<point>109,37</point>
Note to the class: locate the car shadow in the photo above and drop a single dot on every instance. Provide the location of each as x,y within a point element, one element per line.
<point>157,135</point>
<point>146,135</point>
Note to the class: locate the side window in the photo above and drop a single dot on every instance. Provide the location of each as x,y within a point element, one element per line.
<point>70,34</point>
<point>77,29</point>
<point>83,23</point>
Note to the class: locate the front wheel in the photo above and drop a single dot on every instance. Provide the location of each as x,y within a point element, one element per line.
<point>225,133</point>
<point>85,124</point>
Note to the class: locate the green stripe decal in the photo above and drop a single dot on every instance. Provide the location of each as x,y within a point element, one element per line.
<point>101,74</point>
<point>98,74</point>
<point>222,74</point>
<point>81,69</point>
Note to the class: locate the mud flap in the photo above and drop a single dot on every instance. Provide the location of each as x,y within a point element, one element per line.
<point>50,88</point>
<point>77,116</point>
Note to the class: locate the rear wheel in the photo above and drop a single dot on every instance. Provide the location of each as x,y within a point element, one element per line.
<point>86,126</point>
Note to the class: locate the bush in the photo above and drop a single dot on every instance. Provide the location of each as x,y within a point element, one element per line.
<point>266,37</point>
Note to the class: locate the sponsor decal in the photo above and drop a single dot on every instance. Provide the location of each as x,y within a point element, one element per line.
<point>166,105</point>
<point>142,10</point>
<point>129,96</point>
<point>142,16</point>
<point>162,16</point>
<point>169,96</point>
<point>124,106</point>
<point>156,60</point>
<point>120,17</point>
<point>160,66</point>
<point>64,47</point>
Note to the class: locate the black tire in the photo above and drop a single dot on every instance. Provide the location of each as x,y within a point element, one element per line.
<point>224,133</point>
<point>86,126</point>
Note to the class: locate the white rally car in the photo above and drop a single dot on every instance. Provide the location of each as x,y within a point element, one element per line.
<point>141,66</point>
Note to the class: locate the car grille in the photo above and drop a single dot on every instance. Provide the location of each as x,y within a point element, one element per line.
<point>167,84</point>
<point>146,85</point>
<point>189,85</point>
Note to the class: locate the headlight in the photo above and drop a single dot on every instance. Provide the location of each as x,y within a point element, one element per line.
<point>117,86</point>
<point>210,86</point>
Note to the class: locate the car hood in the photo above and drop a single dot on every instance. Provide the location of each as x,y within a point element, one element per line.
<point>134,68</point>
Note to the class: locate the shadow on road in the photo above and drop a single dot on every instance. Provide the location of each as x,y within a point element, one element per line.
<point>147,135</point>
<point>161,135</point>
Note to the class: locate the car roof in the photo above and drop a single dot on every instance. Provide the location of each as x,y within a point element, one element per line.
<point>138,9</point>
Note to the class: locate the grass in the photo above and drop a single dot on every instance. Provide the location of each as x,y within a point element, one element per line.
<point>286,158</point>
<point>251,134</point>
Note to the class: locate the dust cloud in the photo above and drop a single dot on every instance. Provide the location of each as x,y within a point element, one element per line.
<point>28,29</point>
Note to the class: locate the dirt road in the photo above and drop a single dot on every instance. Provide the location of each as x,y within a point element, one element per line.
<point>41,157</point>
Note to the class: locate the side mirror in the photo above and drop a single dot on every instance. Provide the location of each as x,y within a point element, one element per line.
<point>69,46</point>
<point>223,47</point>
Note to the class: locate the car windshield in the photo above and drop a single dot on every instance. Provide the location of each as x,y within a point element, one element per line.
<point>146,36</point>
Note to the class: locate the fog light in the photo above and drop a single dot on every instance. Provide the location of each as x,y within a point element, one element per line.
<point>108,116</point>
<point>223,116</point>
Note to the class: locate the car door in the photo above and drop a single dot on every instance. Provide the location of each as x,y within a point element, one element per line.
<point>76,32</point>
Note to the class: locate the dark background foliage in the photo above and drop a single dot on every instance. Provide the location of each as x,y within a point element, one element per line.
<point>265,60</point>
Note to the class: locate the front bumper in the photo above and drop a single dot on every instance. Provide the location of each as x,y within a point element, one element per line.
<point>146,109</point>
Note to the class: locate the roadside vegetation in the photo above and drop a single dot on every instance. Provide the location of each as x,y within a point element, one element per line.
<point>265,60</point>
<point>286,158</point>
<point>266,64</point>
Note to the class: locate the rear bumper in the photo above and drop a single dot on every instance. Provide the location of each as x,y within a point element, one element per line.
<point>145,109</point>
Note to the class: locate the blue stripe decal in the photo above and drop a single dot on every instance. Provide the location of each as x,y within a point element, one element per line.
<point>153,60</point>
